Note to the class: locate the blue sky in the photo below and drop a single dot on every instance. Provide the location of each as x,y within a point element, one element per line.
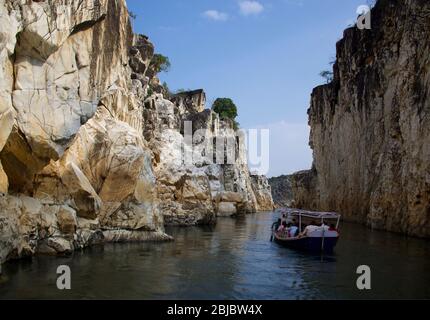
<point>266,55</point>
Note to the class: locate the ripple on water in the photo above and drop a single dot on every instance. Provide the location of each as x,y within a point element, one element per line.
<point>232,260</point>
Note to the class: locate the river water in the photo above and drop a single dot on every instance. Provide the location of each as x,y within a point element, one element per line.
<point>232,260</point>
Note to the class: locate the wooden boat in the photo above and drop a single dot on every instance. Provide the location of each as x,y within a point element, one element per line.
<point>317,239</point>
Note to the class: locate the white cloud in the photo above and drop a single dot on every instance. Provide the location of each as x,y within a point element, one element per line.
<point>215,15</point>
<point>250,7</point>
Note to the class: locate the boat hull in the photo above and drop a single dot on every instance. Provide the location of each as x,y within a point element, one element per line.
<point>311,244</point>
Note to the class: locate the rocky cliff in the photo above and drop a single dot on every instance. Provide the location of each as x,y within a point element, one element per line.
<point>91,145</point>
<point>282,191</point>
<point>370,127</point>
<point>263,193</point>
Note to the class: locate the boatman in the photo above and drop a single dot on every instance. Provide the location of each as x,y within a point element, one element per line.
<point>276,225</point>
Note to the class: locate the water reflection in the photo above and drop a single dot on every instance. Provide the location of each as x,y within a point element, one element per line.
<point>232,260</point>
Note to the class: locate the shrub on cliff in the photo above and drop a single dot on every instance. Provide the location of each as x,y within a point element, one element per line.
<point>160,63</point>
<point>167,92</point>
<point>226,109</point>
<point>327,75</point>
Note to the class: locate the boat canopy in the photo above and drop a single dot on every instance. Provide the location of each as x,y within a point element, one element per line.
<point>310,214</point>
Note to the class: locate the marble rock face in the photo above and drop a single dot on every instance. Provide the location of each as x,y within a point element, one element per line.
<point>282,192</point>
<point>370,127</point>
<point>91,144</point>
<point>193,188</point>
<point>191,184</point>
<point>27,227</point>
<point>57,60</point>
<point>74,164</point>
<point>263,193</point>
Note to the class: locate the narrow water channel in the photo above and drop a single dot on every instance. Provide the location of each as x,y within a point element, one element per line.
<point>232,260</point>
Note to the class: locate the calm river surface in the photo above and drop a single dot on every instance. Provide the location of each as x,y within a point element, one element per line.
<point>233,260</point>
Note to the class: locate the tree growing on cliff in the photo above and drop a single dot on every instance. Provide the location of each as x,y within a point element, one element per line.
<point>132,16</point>
<point>160,63</point>
<point>226,109</point>
<point>167,92</point>
<point>327,75</point>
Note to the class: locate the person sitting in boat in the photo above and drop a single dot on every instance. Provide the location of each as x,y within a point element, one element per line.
<point>310,228</point>
<point>333,228</point>
<point>294,230</point>
<point>287,230</point>
<point>276,224</point>
<point>283,227</point>
<point>324,227</point>
<point>284,218</point>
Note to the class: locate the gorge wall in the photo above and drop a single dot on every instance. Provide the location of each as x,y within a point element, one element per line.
<point>91,145</point>
<point>282,191</point>
<point>370,127</point>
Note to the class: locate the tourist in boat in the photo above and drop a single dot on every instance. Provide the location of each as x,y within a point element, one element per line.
<point>310,228</point>
<point>284,218</point>
<point>276,224</point>
<point>290,230</point>
<point>333,228</point>
<point>294,229</point>
<point>287,230</point>
<point>283,227</point>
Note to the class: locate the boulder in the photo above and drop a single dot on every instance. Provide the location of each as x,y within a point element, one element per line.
<point>226,209</point>
<point>229,196</point>
<point>60,245</point>
<point>67,221</point>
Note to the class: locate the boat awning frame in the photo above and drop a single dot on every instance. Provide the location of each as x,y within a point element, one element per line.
<point>311,214</point>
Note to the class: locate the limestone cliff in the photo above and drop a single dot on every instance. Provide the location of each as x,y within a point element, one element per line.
<point>91,144</point>
<point>199,190</point>
<point>263,193</point>
<point>282,192</point>
<point>370,127</point>
<point>75,165</point>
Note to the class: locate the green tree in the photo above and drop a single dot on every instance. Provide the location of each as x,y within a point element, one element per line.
<point>160,63</point>
<point>167,91</point>
<point>132,15</point>
<point>225,107</point>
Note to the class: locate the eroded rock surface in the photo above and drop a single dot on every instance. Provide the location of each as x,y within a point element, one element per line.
<point>370,127</point>
<point>263,193</point>
<point>282,191</point>
<point>192,186</point>
<point>91,144</point>
<point>73,158</point>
